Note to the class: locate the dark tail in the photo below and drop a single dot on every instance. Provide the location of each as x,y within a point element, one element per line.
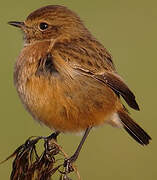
<point>134,129</point>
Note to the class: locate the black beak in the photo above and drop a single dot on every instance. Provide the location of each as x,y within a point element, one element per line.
<point>16,24</point>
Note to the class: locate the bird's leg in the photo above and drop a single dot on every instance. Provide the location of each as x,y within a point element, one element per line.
<point>68,162</point>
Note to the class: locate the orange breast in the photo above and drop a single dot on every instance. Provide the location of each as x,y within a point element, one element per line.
<point>70,105</point>
<point>63,102</point>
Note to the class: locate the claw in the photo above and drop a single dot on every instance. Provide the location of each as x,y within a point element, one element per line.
<point>68,165</point>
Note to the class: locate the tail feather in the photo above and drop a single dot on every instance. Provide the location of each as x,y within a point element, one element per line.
<point>134,129</point>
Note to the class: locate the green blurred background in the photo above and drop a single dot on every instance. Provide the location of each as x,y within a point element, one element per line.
<point>128,29</point>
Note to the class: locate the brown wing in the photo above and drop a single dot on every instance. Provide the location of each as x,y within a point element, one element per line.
<point>88,54</point>
<point>117,85</point>
<point>89,57</point>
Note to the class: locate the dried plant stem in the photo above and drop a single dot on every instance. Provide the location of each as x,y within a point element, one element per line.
<point>29,165</point>
<point>66,156</point>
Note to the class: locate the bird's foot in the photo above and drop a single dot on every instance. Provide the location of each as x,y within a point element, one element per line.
<point>68,164</point>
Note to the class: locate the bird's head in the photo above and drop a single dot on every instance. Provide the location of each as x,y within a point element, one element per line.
<point>51,22</point>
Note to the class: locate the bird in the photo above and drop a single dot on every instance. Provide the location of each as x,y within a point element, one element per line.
<point>66,78</point>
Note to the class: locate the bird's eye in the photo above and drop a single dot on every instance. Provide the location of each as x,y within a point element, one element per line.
<point>43,26</point>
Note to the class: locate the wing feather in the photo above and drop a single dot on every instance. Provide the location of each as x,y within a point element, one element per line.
<point>118,85</point>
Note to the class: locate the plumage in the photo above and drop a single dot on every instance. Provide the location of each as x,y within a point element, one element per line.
<point>66,79</point>
<point>117,85</point>
<point>134,129</point>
